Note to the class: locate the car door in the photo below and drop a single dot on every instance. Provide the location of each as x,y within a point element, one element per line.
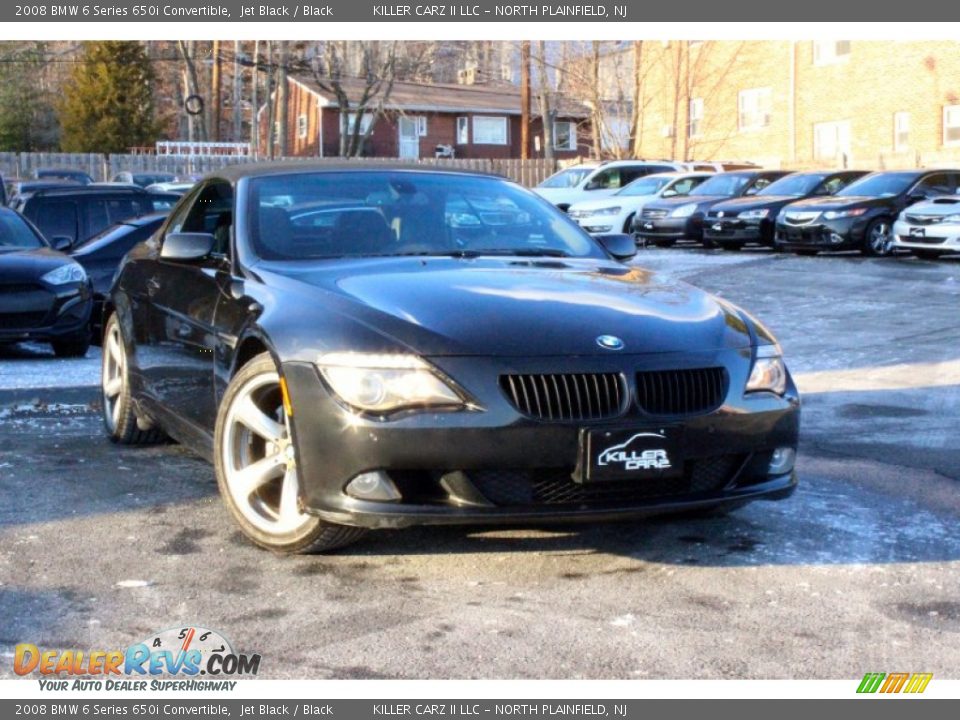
<point>182,297</point>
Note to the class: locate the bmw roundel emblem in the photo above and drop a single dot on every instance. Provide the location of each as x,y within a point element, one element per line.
<point>610,342</point>
<point>720,214</point>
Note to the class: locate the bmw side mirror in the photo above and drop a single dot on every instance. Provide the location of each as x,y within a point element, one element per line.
<point>622,247</point>
<point>187,246</point>
<point>61,242</point>
<point>916,197</point>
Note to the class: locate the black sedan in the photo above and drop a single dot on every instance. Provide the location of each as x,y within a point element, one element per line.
<point>100,257</point>
<point>731,224</point>
<point>44,295</point>
<point>387,362</point>
<point>861,216</point>
<point>667,220</point>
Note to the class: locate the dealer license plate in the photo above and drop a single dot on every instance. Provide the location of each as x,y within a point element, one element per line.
<point>630,454</point>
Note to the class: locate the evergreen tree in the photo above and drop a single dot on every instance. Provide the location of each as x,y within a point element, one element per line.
<point>26,109</point>
<point>108,102</point>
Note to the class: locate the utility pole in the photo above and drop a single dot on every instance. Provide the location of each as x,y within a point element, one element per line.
<point>254,101</point>
<point>524,99</point>
<point>237,109</point>
<point>215,91</point>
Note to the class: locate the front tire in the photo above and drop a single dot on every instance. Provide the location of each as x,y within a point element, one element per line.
<point>733,247</point>
<point>256,467</point>
<point>878,238</point>
<point>119,417</point>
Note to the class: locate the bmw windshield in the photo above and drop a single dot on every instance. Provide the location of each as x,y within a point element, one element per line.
<point>381,214</point>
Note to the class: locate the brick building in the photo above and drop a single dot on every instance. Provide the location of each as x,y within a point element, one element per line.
<point>478,121</point>
<point>801,104</point>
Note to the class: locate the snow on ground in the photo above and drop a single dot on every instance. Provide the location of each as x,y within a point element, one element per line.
<point>33,365</point>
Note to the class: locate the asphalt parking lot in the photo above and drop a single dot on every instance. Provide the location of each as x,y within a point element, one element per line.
<point>859,571</point>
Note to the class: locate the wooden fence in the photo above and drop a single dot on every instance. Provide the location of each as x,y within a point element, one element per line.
<point>103,167</point>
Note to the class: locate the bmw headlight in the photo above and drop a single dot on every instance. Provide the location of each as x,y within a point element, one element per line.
<point>607,211</point>
<point>838,214</point>
<point>383,384</point>
<point>769,373</point>
<point>753,214</point>
<point>71,273</point>
<point>684,210</point>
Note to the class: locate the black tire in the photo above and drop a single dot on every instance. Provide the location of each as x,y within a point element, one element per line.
<point>119,416</point>
<point>733,247</point>
<point>873,246</point>
<point>926,254</point>
<point>628,225</point>
<point>314,535</point>
<point>664,243</point>
<point>75,347</point>
<point>807,253</point>
<point>709,244</point>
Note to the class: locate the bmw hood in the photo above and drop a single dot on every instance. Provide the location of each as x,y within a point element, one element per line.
<point>517,307</point>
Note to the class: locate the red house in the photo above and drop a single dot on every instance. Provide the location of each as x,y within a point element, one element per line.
<point>477,121</point>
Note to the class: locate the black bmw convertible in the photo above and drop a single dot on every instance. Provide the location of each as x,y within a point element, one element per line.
<point>359,347</point>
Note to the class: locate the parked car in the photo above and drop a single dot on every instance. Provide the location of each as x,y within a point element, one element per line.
<point>17,186</point>
<point>665,221</point>
<point>67,216</point>
<point>719,166</point>
<point>568,177</point>
<point>615,213</point>
<point>143,179</point>
<point>77,176</point>
<point>861,216</point>
<point>605,180</point>
<point>349,396</point>
<point>929,229</point>
<point>731,224</point>
<point>44,295</point>
<point>178,187</point>
<point>100,257</point>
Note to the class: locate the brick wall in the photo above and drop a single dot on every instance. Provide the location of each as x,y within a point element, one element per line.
<point>862,88</point>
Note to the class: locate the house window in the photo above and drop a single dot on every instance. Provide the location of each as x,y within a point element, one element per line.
<point>754,106</point>
<point>489,130</point>
<point>901,131</point>
<point>951,125</point>
<point>696,117</point>
<point>463,130</point>
<point>347,122</point>
<point>276,132</point>
<point>826,52</point>
<point>422,125</point>
<point>831,141</point>
<point>301,126</point>
<point>565,136</point>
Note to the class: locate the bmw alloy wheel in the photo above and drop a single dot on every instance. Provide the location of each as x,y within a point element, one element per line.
<point>259,462</point>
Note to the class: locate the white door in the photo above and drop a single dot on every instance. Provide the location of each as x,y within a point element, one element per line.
<point>409,138</point>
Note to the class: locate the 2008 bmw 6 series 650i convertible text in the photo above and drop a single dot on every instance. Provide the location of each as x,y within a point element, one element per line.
<point>360,347</point>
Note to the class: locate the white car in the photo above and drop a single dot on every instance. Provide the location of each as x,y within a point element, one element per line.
<point>614,213</point>
<point>930,228</point>
<point>605,180</point>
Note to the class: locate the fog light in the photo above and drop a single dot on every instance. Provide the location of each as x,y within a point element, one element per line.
<point>373,486</point>
<point>836,239</point>
<point>782,460</point>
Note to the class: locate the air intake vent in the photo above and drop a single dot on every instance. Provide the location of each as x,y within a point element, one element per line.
<point>681,392</point>
<point>587,396</point>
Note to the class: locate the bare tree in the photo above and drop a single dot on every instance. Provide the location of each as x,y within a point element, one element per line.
<point>360,75</point>
<point>545,98</point>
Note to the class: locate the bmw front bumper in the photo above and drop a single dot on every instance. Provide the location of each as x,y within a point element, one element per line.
<point>498,465</point>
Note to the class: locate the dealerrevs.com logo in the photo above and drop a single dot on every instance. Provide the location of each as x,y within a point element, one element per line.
<point>173,659</point>
<point>893,683</point>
